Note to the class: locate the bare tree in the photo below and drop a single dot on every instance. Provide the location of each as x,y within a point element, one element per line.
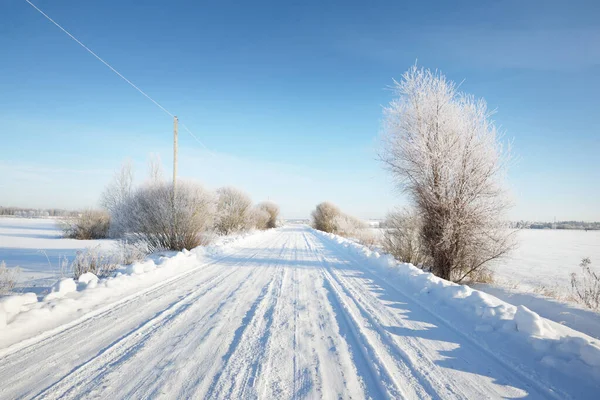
<point>155,170</point>
<point>444,151</point>
<point>234,211</point>
<point>116,194</point>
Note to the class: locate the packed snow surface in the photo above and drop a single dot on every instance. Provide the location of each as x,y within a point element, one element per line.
<point>289,313</point>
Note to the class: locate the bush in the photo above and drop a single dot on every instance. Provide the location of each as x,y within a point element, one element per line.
<point>234,211</point>
<point>8,278</point>
<point>259,218</point>
<point>402,237</point>
<point>367,238</point>
<point>94,261</point>
<point>90,224</point>
<point>325,217</point>
<point>586,287</point>
<point>349,226</point>
<point>272,210</point>
<point>128,253</point>
<point>162,219</point>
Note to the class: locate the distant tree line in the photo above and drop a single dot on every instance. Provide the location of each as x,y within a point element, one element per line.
<point>557,225</point>
<point>35,212</point>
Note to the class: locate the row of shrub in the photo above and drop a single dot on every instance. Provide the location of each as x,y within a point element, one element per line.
<point>400,236</point>
<point>160,216</point>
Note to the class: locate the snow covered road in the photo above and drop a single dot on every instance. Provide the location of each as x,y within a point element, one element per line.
<point>289,315</point>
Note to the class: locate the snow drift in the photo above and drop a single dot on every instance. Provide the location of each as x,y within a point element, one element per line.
<point>22,316</point>
<point>553,345</point>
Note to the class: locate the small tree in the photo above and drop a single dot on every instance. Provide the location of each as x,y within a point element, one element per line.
<point>234,211</point>
<point>444,151</point>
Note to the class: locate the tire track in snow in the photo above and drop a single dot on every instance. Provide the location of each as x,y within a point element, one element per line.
<point>30,345</point>
<point>126,346</point>
<point>151,384</point>
<point>250,340</point>
<point>519,375</point>
<point>423,378</point>
<point>122,349</point>
<point>218,381</point>
<point>377,380</point>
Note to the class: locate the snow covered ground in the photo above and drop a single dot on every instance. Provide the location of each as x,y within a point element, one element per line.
<point>288,313</point>
<point>547,257</point>
<point>37,248</point>
<point>542,264</point>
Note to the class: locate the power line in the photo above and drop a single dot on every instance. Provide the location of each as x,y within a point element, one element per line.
<point>118,73</point>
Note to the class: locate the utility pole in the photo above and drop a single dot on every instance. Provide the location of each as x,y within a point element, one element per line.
<point>175,120</point>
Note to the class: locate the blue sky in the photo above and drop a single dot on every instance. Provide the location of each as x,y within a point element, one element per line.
<point>288,96</point>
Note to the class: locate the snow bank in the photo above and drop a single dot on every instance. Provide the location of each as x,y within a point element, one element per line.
<point>61,289</point>
<point>553,344</point>
<point>23,316</point>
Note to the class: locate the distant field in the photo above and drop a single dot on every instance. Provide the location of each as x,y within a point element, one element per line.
<point>36,246</point>
<point>547,257</point>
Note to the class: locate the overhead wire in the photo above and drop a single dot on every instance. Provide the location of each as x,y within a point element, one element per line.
<point>118,74</point>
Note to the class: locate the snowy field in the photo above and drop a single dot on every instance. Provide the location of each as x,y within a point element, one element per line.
<point>36,246</point>
<point>547,257</point>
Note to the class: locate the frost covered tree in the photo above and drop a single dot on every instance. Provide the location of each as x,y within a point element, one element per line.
<point>259,218</point>
<point>325,217</point>
<point>234,211</point>
<point>155,170</point>
<point>445,152</point>
<point>159,218</point>
<point>402,237</point>
<point>114,197</point>
<point>347,225</point>
<point>272,210</point>
<point>155,216</point>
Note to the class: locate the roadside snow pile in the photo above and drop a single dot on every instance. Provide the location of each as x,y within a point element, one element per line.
<point>23,316</point>
<point>555,345</point>
<point>61,289</point>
